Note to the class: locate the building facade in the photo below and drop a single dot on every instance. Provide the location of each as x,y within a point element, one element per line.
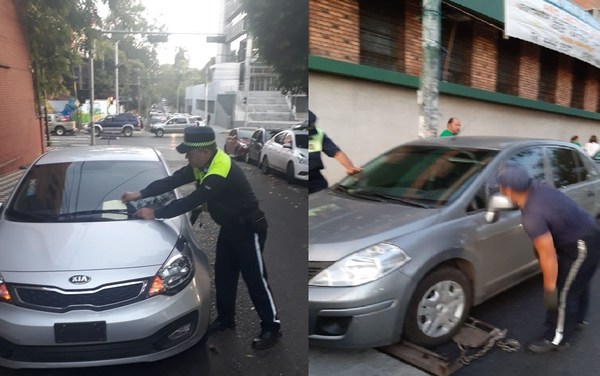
<point>365,59</point>
<point>22,133</point>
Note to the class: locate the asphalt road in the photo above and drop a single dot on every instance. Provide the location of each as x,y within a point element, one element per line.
<point>230,353</point>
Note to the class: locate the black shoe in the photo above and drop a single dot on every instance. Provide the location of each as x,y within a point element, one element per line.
<point>219,326</point>
<point>266,339</point>
<point>581,325</point>
<point>543,346</point>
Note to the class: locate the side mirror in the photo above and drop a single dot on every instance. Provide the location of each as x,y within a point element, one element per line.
<point>288,145</point>
<point>498,202</point>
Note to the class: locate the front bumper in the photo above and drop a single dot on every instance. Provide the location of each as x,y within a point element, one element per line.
<point>363,316</point>
<point>148,330</point>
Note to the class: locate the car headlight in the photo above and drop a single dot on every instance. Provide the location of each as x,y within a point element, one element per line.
<point>175,273</point>
<point>301,159</point>
<point>362,267</point>
<point>4,293</point>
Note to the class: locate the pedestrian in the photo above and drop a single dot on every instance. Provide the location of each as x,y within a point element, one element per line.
<point>452,128</point>
<point>592,146</point>
<point>232,204</point>
<point>575,140</point>
<point>319,142</point>
<point>567,241</point>
<point>208,119</point>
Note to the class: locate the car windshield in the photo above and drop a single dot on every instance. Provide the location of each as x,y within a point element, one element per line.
<point>302,141</point>
<point>84,191</point>
<point>425,176</point>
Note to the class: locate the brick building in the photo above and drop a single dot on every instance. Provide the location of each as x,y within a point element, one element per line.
<point>365,62</point>
<point>22,139</point>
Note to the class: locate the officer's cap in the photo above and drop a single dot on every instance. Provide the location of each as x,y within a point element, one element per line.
<point>196,137</point>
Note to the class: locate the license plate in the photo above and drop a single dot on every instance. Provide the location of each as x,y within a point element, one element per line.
<point>80,332</point>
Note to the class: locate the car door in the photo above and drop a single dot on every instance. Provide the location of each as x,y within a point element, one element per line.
<point>570,173</point>
<point>256,143</point>
<point>171,125</point>
<point>230,141</point>
<point>506,254</point>
<point>280,152</point>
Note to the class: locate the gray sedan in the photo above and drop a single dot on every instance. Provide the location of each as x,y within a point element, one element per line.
<point>406,247</point>
<point>85,283</point>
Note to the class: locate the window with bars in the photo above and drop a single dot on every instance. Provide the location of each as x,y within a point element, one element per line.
<point>457,46</point>
<point>381,34</point>
<point>579,71</point>
<point>507,80</point>
<point>548,73</point>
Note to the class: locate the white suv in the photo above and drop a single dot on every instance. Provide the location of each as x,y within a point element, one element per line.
<point>287,152</point>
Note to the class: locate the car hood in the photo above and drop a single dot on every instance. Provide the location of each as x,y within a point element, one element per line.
<point>26,247</point>
<point>339,226</point>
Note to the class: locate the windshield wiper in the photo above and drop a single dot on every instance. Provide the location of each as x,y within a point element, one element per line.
<point>85,213</point>
<point>20,215</point>
<point>385,197</point>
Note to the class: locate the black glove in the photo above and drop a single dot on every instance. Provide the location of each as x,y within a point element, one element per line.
<point>551,299</point>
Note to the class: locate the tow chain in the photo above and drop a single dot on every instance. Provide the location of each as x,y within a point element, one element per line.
<point>496,337</point>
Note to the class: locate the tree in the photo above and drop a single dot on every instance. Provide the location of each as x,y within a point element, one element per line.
<point>280,30</point>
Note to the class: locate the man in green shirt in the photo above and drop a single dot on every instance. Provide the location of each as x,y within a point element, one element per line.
<point>452,128</point>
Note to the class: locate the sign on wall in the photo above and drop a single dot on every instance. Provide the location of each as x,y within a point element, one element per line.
<point>555,24</point>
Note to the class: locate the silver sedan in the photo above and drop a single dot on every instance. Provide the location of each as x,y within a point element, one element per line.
<point>85,283</point>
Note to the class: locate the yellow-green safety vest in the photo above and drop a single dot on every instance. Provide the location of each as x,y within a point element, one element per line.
<point>220,165</point>
<point>315,142</point>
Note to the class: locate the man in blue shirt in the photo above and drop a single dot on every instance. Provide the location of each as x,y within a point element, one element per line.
<point>567,242</point>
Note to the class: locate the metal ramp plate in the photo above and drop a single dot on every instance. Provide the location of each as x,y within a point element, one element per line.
<point>473,334</point>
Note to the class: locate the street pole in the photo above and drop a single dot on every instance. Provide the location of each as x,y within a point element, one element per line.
<point>118,107</point>
<point>93,140</point>
<point>247,76</point>
<point>428,95</point>
<point>205,94</point>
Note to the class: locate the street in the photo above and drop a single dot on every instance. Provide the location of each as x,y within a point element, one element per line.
<point>229,353</point>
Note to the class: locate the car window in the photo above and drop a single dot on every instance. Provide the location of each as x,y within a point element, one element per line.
<point>302,141</point>
<point>181,121</point>
<point>430,175</point>
<point>49,192</point>
<point>280,137</point>
<point>257,135</point>
<point>232,132</point>
<point>245,133</point>
<point>533,161</point>
<point>567,167</point>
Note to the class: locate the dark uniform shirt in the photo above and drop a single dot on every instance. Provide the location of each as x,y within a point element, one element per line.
<point>549,210</point>
<point>227,198</point>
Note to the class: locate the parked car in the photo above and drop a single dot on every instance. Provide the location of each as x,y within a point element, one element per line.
<point>237,141</point>
<point>125,124</point>
<point>287,152</point>
<point>85,283</point>
<point>175,124</point>
<point>60,125</point>
<point>257,141</point>
<point>198,121</point>
<point>404,248</point>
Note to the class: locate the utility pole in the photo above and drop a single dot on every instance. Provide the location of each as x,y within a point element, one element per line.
<point>247,77</point>
<point>117,106</point>
<point>92,128</point>
<point>206,94</point>
<point>428,96</point>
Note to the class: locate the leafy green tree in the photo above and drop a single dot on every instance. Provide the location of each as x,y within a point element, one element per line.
<point>280,29</point>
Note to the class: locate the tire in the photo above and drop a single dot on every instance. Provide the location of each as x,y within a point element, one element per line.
<point>127,132</point>
<point>264,166</point>
<point>247,157</point>
<point>289,173</point>
<point>97,131</point>
<point>59,131</point>
<point>160,133</point>
<point>438,307</point>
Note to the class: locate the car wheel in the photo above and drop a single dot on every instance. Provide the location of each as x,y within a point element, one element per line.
<point>264,166</point>
<point>127,132</point>
<point>289,173</point>
<point>96,131</point>
<point>247,158</point>
<point>60,131</point>
<point>160,133</point>
<point>438,307</point>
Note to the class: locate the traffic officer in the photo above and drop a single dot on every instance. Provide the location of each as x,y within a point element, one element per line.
<point>232,205</point>
<point>319,142</point>
<point>567,241</point>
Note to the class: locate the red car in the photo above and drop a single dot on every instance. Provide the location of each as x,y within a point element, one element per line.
<point>236,144</point>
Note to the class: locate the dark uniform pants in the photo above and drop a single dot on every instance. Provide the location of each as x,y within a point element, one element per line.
<point>316,181</point>
<point>573,284</point>
<point>239,249</point>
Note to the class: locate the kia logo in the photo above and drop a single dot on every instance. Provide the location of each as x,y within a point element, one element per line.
<point>79,279</point>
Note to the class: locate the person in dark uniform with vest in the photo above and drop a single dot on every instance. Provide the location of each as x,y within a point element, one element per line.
<point>232,204</point>
<point>567,241</point>
<point>319,142</point>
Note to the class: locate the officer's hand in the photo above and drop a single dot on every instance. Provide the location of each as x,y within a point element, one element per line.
<point>353,170</point>
<point>145,213</point>
<point>551,299</point>
<point>130,196</point>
